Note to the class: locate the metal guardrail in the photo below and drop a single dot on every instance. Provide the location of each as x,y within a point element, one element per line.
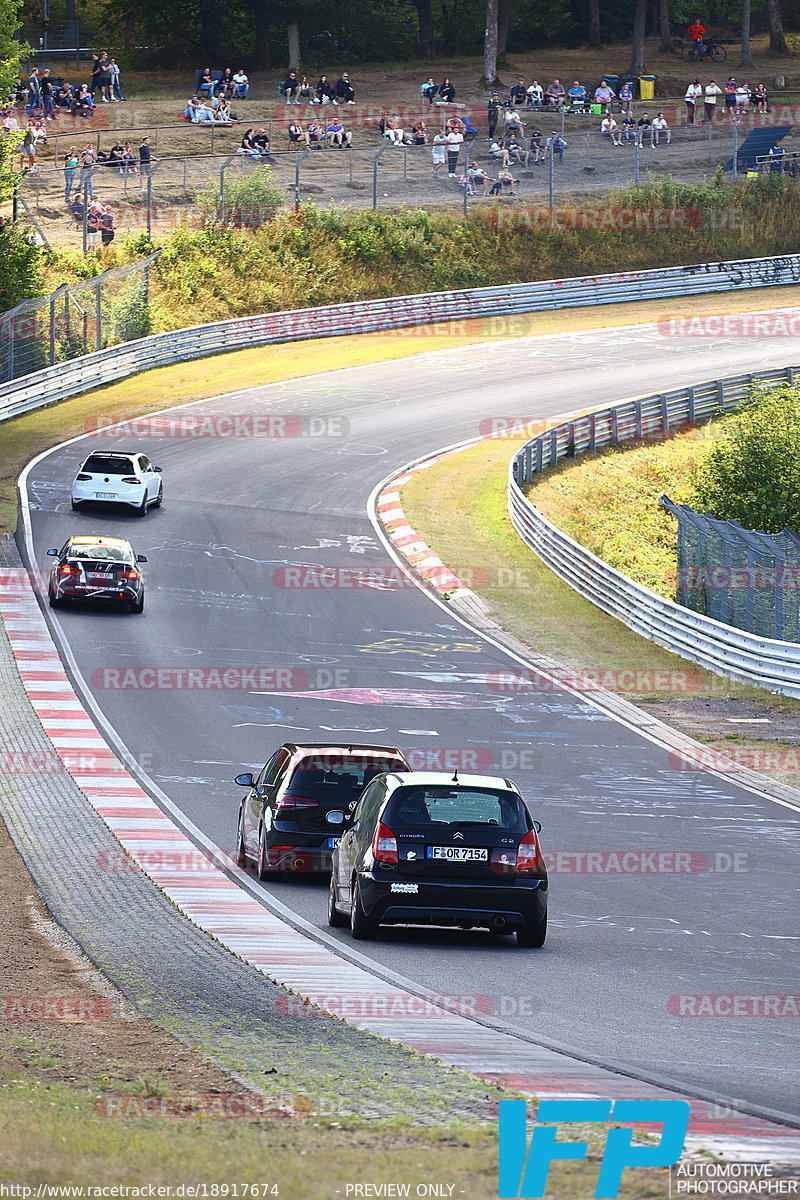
<point>746,657</point>
<point>163,349</point>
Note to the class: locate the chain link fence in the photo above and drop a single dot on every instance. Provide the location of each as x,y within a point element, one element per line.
<point>739,576</point>
<point>77,318</point>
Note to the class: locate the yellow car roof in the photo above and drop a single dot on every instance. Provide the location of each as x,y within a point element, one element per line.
<point>99,541</point>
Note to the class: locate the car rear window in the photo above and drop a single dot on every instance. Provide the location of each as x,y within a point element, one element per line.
<point>105,464</point>
<point>443,805</point>
<point>99,553</point>
<point>332,779</point>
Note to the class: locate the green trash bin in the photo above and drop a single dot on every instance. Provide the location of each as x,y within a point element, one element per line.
<point>596,109</point>
<point>647,87</point>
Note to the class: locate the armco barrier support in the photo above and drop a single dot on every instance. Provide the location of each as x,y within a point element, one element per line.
<point>162,349</point>
<point>722,648</point>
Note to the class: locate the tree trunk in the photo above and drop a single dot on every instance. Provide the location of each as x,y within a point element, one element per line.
<point>261,32</point>
<point>747,53</point>
<point>637,48</point>
<point>664,31</point>
<point>777,42</point>
<point>425,20</point>
<point>489,77</point>
<point>503,13</point>
<point>594,22</point>
<point>293,35</point>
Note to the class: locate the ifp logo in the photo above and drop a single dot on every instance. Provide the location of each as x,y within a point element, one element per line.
<point>523,1169</point>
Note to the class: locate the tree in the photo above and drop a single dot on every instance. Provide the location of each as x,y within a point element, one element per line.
<point>594,22</point>
<point>777,41</point>
<point>637,49</point>
<point>503,14</point>
<point>489,78</point>
<point>664,30</point>
<point>752,474</point>
<point>425,20</point>
<point>293,37</point>
<point>747,53</point>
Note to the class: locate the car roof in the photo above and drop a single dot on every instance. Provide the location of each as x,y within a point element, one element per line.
<point>344,748</point>
<point>101,540</point>
<point>450,779</point>
<point>114,453</point>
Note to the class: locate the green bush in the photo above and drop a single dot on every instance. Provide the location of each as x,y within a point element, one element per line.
<point>752,475</point>
<point>246,199</point>
<point>20,266</point>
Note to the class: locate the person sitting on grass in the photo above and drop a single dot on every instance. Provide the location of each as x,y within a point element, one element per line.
<point>429,90</point>
<point>345,93</point>
<point>115,156</point>
<point>223,113</point>
<point>248,145</point>
<point>84,104</point>
<point>392,132</point>
<point>261,141</point>
<point>446,90</point>
<point>325,91</point>
<point>129,159</point>
<point>610,129</point>
<point>192,109</point>
<point>205,114</point>
<point>307,94</point>
<point>337,136</point>
<point>419,134</point>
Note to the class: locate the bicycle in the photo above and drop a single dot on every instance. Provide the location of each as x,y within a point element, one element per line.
<point>710,51</point>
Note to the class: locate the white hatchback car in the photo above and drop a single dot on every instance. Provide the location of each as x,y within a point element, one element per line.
<point>118,477</point>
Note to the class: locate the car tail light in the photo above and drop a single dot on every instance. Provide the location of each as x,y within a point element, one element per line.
<point>384,844</point>
<point>528,853</point>
<point>83,477</point>
<point>68,569</point>
<point>130,479</point>
<point>290,801</point>
<point>129,574</point>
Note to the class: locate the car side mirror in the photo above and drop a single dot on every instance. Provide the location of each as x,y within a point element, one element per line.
<point>141,558</point>
<point>245,779</point>
<point>52,553</point>
<point>158,469</point>
<point>537,825</point>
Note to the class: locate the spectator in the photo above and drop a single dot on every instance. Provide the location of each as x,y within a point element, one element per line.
<point>325,92</point>
<point>226,87</point>
<point>315,135</point>
<point>455,140</point>
<point>577,94</point>
<point>504,179</point>
<point>556,145</point>
<point>478,177</point>
<point>192,110</point>
<point>207,84</point>
<point>62,95</point>
<point>248,145</point>
<point>419,134</point>
<point>94,223</point>
<point>645,128</point>
<point>296,134</point>
<point>223,115</point>
<point>626,98</point>
<point>307,93</point>
<point>760,99</point>
<point>129,159</point>
<point>84,104</point>
<point>205,114</point>
<point>10,122</point>
<point>513,122</point>
<point>107,233</point>
<point>537,146</point>
<point>730,97</point>
<point>115,157</point>
<point>391,133</point>
<point>291,88</point>
<point>629,127</point>
<point>493,112</point>
<point>693,96</point>
<point>429,89</point>
<point>27,150</point>
<point>262,143</point>
<point>776,154</point>
<point>661,130</point>
<point>113,73</point>
<point>34,92</point>
<point>39,130</point>
<point>242,84</point>
<point>18,94</point>
<point>742,98</point>
<point>336,134</point>
<point>514,151</point>
<point>447,91</point>
<point>712,90</point>
<point>555,94</point>
<point>697,33</point>
<point>103,77</point>
<point>439,152</point>
<point>498,151</point>
<point>76,209</point>
<point>88,162</point>
<point>46,93</point>
<point>145,163</point>
<point>610,129</point>
<point>604,95</point>
<point>344,89</point>
<point>535,94</point>
<point>71,162</point>
<point>518,92</point>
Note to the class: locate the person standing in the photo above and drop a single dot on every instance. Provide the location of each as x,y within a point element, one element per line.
<point>692,98</point>
<point>34,92</point>
<point>71,162</point>
<point>439,152</point>
<point>46,92</point>
<point>454,139</point>
<point>493,110</point>
<point>712,90</point>
<point>145,163</point>
<point>730,97</point>
<point>113,71</point>
<point>87,170</point>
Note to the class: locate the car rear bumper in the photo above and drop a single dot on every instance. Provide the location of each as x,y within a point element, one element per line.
<point>86,493</point>
<point>299,852</point>
<point>467,904</point>
<point>115,595</point>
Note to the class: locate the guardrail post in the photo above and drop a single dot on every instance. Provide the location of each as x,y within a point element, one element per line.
<point>553,447</point>
<point>690,402</point>
<point>720,397</point>
<point>527,464</point>
<point>635,158</point>
<point>85,216</point>
<point>149,201</point>
<point>300,156</point>
<point>375,178</point>
<point>539,454</point>
<point>735,150</point>
<point>592,430</point>
<point>614,427</point>
<point>222,193</point>
<point>53,329</point>
<point>664,414</point>
<point>551,186</point>
<point>639,419</point>
<point>98,317</point>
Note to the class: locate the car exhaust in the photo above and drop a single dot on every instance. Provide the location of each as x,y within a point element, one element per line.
<point>498,924</point>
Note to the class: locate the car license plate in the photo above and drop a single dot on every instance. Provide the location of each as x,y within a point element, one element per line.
<point>333,843</point>
<point>105,495</point>
<point>101,575</point>
<point>459,853</point>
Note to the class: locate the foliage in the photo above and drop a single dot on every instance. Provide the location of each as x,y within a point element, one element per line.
<point>246,199</point>
<point>130,315</point>
<point>20,261</point>
<point>12,53</point>
<point>752,475</point>
<point>609,502</point>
